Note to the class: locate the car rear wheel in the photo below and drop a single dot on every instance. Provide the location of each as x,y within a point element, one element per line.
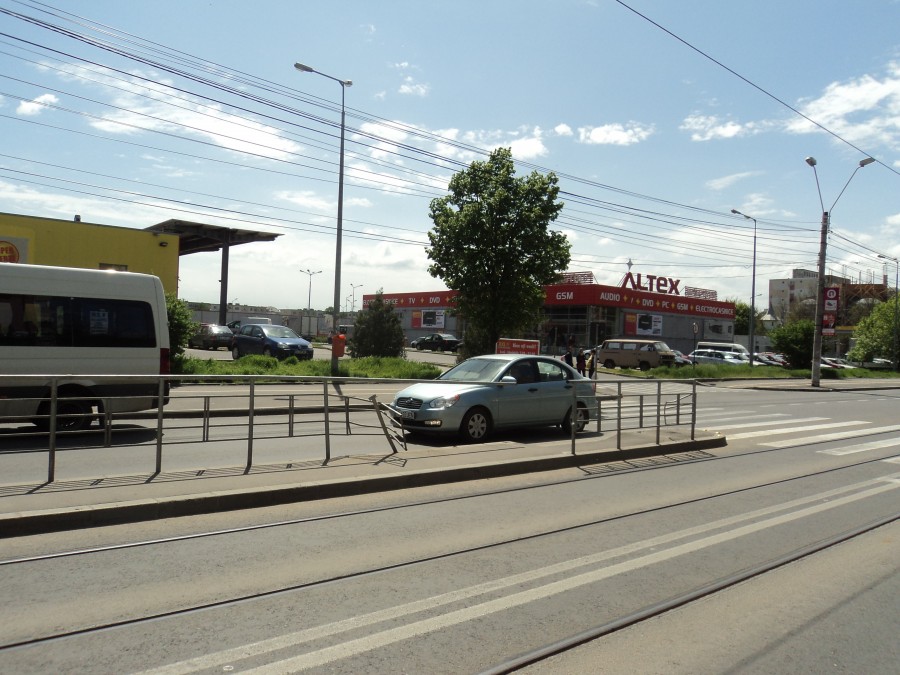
<point>419,347</point>
<point>580,424</point>
<point>235,353</point>
<point>71,415</point>
<point>476,425</point>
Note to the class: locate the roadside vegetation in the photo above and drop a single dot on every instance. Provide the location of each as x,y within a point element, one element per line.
<point>369,367</point>
<point>713,372</point>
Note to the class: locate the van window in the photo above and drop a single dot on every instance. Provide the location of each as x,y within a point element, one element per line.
<point>55,321</point>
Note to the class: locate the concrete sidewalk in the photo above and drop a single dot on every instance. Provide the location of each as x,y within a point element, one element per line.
<point>106,500</point>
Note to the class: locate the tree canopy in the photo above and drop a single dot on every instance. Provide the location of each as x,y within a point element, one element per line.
<point>377,331</point>
<point>875,333</point>
<point>491,243</point>
<point>795,341</point>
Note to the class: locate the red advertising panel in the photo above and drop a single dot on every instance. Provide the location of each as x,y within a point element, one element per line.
<point>832,301</point>
<point>515,346</point>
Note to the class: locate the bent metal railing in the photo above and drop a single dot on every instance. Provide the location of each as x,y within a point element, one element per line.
<point>317,414</point>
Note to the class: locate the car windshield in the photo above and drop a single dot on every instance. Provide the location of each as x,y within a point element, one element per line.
<point>475,370</point>
<point>661,347</point>
<point>279,332</point>
<point>220,329</point>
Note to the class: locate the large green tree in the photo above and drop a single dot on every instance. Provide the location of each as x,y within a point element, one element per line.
<point>875,333</point>
<point>492,244</point>
<point>377,331</point>
<point>742,319</point>
<point>795,341</point>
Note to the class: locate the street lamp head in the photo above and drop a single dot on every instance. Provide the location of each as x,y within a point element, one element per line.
<point>866,161</point>
<point>303,69</point>
<point>736,212</point>
<point>811,161</point>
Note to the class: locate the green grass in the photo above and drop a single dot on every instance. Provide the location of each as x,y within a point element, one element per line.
<point>371,367</point>
<point>712,372</point>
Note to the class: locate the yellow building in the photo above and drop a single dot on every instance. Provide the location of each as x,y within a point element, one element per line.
<point>72,243</point>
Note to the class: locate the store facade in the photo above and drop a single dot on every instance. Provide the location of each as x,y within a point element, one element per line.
<point>586,313</point>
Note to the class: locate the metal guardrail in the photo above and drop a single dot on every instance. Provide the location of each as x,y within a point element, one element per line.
<point>257,408</point>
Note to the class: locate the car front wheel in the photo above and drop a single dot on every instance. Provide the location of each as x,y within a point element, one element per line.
<point>235,353</point>
<point>476,425</point>
<point>579,425</point>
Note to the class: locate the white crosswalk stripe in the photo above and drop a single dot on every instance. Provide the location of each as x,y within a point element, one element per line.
<point>836,436</point>
<point>791,430</point>
<point>862,447</point>
<point>771,423</point>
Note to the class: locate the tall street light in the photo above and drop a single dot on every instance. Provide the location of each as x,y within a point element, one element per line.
<point>310,273</point>
<point>336,305</point>
<point>752,287</point>
<point>354,287</point>
<point>895,357</point>
<point>820,285</point>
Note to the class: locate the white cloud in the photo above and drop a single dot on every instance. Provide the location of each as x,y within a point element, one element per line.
<point>36,106</point>
<point>710,127</point>
<point>563,130</point>
<point>615,134</point>
<point>728,181</point>
<point>413,88</point>
<point>862,110</point>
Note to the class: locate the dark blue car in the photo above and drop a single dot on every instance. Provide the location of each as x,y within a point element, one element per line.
<point>268,340</point>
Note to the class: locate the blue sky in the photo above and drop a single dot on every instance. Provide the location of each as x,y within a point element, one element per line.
<point>658,117</point>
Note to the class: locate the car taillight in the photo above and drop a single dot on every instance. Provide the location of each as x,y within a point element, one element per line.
<point>164,366</point>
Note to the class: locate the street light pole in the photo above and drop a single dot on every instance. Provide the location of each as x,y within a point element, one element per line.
<point>340,209</point>
<point>752,288</point>
<point>354,287</point>
<point>816,369</point>
<point>895,356</point>
<point>309,296</point>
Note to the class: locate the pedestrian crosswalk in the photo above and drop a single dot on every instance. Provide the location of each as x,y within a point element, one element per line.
<point>782,430</point>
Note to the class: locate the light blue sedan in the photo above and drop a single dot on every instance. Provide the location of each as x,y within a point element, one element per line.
<point>496,391</point>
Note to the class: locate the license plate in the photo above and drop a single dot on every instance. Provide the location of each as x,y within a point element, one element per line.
<point>408,414</point>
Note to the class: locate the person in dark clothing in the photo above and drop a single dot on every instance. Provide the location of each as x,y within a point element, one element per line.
<point>567,357</point>
<point>580,363</point>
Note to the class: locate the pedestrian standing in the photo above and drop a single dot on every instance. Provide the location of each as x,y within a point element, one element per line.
<point>579,360</point>
<point>567,357</point>
<point>591,365</point>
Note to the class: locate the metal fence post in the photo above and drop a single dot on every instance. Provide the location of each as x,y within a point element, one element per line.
<point>250,412</point>
<point>693,409</point>
<point>574,417</point>
<point>161,397</point>
<point>619,416</point>
<point>327,425</point>
<point>51,466</point>
<point>658,408</point>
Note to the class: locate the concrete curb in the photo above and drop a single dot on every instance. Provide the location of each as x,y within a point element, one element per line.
<point>117,513</point>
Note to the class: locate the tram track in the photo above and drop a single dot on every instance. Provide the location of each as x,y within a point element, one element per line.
<point>409,564</point>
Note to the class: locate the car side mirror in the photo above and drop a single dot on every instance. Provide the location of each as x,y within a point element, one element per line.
<point>508,379</point>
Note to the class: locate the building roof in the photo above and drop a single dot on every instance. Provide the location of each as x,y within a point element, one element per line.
<point>201,237</point>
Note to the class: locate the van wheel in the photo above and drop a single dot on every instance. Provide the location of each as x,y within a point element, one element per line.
<point>475,426</point>
<point>644,365</point>
<point>71,415</point>
<point>580,424</point>
<point>609,364</point>
<point>235,353</point>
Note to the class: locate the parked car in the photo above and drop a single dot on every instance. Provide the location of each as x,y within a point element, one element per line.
<point>496,391</point>
<point>211,336</point>
<point>269,340</point>
<point>837,363</point>
<point>681,359</point>
<point>438,342</point>
<point>717,358</point>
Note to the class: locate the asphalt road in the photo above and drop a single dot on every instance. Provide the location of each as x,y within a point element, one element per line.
<point>461,578</point>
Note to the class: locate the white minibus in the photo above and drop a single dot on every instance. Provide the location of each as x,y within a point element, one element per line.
<point>79,325</point>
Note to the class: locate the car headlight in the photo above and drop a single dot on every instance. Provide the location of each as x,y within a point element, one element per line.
<point>444,402</point>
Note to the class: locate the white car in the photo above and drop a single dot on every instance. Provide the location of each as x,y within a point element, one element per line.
<point>714,357</point>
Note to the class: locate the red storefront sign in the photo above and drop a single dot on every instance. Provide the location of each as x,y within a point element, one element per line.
<point>514,346</point>
<point>583,294</point>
